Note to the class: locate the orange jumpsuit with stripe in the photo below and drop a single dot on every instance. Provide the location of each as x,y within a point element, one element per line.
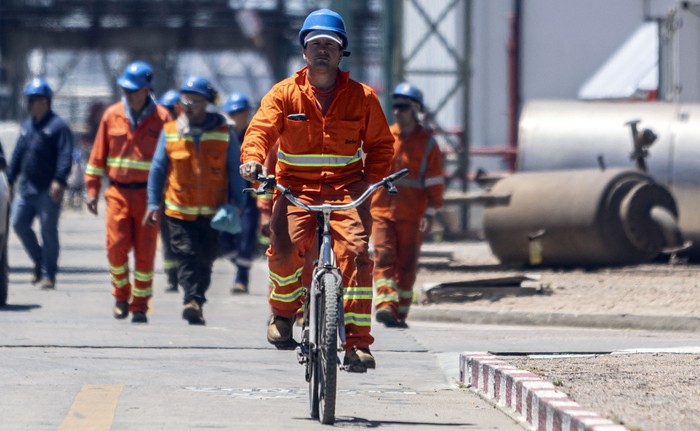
<point>396,218</point>
<point>323,158</point>
<point>124,156</point>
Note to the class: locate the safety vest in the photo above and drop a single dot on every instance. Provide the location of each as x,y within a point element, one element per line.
<point>197,176</point>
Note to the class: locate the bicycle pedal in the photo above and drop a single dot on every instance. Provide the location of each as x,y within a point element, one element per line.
<point>287,345</point>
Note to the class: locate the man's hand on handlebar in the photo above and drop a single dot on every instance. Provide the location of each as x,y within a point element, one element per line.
<point>250,171</point>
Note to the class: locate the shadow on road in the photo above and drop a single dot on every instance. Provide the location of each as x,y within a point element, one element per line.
<point>19,307</point>
<point>341,421</point>
<point>63,269</point>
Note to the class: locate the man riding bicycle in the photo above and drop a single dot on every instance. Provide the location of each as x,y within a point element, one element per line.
<point>334,140</point>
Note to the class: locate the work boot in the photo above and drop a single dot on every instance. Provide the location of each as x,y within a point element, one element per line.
<point>121,310</point>
<point>279,333</point>
<point>358,360</point>
<point>139,317</point>
<point>239,288</point>
<point>386,316</point>
<point>192,312</point>
<point>36,275</point>
<point>47,284</point>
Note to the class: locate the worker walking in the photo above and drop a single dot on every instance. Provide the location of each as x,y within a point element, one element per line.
<point>244,245</point>
<point>171,101</point>
<point>195,168</point>
<point>400,221</point>
<point>42,162</point>
<point>122,151</point>
<point>333,141</point>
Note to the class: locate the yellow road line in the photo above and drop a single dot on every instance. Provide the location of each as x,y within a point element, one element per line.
<point>93,408</point>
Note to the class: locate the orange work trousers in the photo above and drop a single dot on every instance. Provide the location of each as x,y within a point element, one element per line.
<point>396,250</point>
<point>125,211</point>
<point>292,235</point>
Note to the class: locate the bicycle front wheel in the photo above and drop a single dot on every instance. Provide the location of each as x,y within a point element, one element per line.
<point>326,370</point>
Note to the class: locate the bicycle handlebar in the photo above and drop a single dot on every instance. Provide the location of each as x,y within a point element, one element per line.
<point>269,183</point>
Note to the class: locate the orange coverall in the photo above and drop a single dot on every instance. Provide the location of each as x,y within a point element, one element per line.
<point>321,159</point>
<point>396,218</point>
<point>124,156</point>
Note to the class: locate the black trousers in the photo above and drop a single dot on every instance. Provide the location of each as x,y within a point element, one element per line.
<point>195,246</point>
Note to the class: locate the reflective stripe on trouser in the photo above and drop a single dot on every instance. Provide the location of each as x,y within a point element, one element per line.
<point>396,250</point>
<point>293,233</point>
<point>125,209</point>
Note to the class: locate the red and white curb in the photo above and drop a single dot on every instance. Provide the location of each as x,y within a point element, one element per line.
<point>525,395</point>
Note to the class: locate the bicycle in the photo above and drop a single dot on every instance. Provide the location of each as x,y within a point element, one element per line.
<point>324,336</point>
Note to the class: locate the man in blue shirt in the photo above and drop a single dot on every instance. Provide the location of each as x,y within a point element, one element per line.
<point>42,162</point>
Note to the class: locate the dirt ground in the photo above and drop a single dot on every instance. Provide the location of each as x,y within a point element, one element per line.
<point>649,392</point>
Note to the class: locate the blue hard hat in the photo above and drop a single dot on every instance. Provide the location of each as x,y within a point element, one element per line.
<point>406,89</point>
<point>136,76</point>
<point>236,102</point>
<point>169,99</point>
<point>199,85</point>
<point>324,19</point>
<point>38,87</point>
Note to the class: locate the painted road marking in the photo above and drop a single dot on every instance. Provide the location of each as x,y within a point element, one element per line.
<point>93,408</point>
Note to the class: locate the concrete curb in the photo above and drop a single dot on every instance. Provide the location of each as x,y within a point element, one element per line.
<point>607,321</point>
<point>527,397</point>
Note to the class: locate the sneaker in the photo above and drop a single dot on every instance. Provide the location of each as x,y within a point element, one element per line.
<point>239,288</point>
<point>192,312</point>
<point>121,310</point>
<point>279,333</point>
<point>47,284</point>
<point>172,288</point>
<point>358,360</point>
<point>386,316</point>
<point>36,274</point>
<point>139,317</point>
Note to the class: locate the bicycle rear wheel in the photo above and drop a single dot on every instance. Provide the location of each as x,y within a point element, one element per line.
<point>325,371</point>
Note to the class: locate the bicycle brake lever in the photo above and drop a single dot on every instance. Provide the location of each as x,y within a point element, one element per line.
<point>391,188</point>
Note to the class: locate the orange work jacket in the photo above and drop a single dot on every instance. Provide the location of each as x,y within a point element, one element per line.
<point>197,183</point>
<point>124,155</point>
<point>351,143</point>
<point>421,191</point>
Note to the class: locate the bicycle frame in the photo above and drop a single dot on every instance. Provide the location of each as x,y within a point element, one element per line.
<point>325,264</point>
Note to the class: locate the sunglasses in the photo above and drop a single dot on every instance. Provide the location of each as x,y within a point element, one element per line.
<point>187,102</point>
<point>401,106</point>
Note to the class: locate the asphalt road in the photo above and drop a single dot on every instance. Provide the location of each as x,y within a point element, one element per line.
<point>67,364</point>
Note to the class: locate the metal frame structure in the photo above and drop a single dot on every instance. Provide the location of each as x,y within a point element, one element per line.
<point>404,64</point>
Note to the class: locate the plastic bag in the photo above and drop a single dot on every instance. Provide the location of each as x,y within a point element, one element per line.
<point>227,219</point>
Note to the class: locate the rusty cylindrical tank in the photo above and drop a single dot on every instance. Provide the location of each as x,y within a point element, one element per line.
<point>557,134</point>
<point>585,217</point>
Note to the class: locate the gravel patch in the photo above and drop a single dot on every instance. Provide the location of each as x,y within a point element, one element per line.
<point>642,391</point>
<point>649,392</point>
